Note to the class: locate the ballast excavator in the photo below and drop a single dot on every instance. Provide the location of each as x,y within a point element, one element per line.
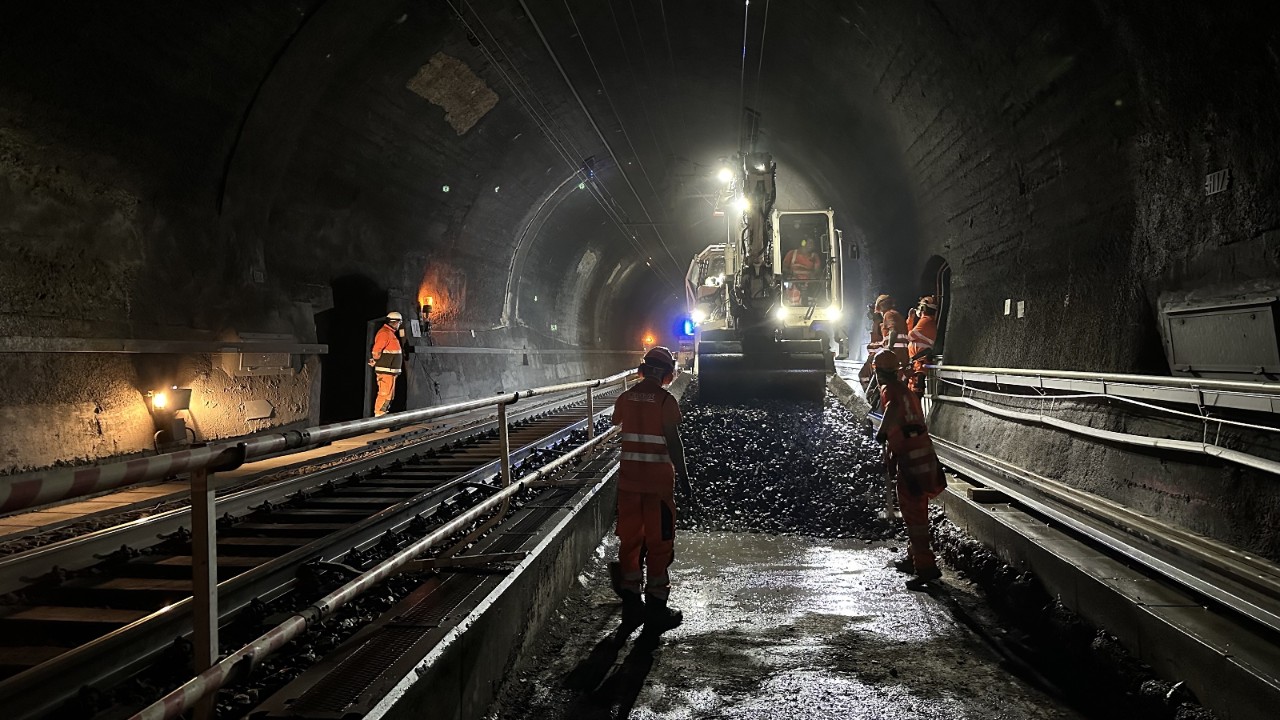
<point>767,302</point>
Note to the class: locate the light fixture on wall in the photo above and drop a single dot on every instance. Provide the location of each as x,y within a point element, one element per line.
<point>166,406</point>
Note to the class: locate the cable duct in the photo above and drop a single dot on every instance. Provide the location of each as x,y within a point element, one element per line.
<point>1234,456</point>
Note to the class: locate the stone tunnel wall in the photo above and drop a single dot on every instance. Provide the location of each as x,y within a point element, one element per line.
<point>1059,161</point>
<point>234,171</point>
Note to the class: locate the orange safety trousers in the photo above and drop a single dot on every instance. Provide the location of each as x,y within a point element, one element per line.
<point>646,536</point>
<point>918,478</point>
<point>386,391</point>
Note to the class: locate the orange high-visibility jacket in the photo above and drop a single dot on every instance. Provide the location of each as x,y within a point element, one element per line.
<point>645,465</point>
<point>921,334</point>
<point>799,265</point>
<point>893,321</point>
<point>912,451</point>
<point>386,351</point>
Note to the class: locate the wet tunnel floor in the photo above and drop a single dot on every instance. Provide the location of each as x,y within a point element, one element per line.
<point>775,627</point>
<point>791,607</point>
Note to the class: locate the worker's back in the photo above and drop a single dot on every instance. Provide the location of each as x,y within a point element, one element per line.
<point>644,412</point>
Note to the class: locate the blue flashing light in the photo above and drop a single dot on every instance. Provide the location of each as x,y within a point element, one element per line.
<point>688,327</point>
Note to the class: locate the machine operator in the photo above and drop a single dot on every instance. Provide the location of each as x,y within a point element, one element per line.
<point>800,266</point>
<point>652,461</point>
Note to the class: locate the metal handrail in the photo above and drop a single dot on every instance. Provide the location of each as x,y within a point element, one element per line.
<point>24,491</point>
<point>1264,388</point>
<point>210,680</point>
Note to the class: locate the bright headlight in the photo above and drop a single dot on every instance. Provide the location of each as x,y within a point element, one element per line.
<point>698,316</point>
<point>781,314</point>
<point>833,312</point>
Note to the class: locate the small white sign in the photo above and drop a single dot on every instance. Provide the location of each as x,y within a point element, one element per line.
<point>414,328</point>
<point>1022,308</point>
<point>1008,305</point>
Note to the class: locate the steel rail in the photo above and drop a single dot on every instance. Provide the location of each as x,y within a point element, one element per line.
<point>1253,461</point>
<point>19,569</point>
<point>185,697</point>
<point>128,647</point>
<point>1117,541</point>
<point>23,491</point>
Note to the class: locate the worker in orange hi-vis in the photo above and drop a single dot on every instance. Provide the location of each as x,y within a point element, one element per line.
<point>922,333</point>
<point>911,462</point>
<point>893,328</point>
<point>387,362</point>
<point>800,266</point>
<point>651,462</point>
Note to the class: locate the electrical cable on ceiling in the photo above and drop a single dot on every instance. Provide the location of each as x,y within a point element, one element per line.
<point>604,89</point>
<point>742,75</point>
<point>671,59</point>
<point>631,71</point>
<point>648,73</point>
<point>764,31</point>
<point>595,126</point>
<point>597,193</point>
<point>608,204</point>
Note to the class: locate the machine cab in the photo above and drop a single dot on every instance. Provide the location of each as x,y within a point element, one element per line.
<point>806,255</point>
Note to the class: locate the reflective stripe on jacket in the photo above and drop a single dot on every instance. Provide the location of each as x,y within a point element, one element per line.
<point>386,351</point>
<point>910,446</point>
<point>922,334</point>
<point>645,465</point>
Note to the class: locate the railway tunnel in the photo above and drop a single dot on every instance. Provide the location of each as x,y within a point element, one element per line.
<point>208,209</point>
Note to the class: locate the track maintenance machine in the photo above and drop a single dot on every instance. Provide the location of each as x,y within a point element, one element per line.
<point>767,302</point>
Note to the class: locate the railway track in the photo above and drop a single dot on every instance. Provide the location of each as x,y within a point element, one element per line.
<point>92,610</point>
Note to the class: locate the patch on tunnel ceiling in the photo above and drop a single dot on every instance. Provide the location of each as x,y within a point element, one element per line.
<point>447,82</point>
<point>588,262</point>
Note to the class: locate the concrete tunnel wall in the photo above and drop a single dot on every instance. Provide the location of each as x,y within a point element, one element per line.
<point>217,168</point>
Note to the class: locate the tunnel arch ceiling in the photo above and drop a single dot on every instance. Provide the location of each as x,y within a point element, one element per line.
<point>1048,151</point>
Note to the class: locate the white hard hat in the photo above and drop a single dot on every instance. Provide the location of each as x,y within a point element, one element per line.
<point>393,315</point>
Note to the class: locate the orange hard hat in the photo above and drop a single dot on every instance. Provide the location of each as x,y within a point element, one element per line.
<point>887,361</point>
<point>660,357</point>
<point>929,301</point>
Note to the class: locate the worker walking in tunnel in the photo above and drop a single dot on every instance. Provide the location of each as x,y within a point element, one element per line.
<point>911,462</point>
<point>652,460</point>
<point>387,362</point>
<point>922,333</point>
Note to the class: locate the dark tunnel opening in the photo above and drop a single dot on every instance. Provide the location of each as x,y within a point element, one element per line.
<point>357,300</point>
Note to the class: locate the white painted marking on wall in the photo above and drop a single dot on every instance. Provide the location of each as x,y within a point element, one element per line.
<point>1008,304</point>
<point>1022,308</point>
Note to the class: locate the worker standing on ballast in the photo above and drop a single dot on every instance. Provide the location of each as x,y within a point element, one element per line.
<point>922,333</point>
<point>652,461</point>
<point>911,462</point>
<point>387,362</point>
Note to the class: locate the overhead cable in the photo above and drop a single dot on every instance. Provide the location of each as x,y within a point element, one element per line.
<point>595,126</point>
<point>597,192</point>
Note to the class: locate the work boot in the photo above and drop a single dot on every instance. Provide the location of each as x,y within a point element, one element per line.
<point>905,564</point>
<point>633,612</point>
<point>658,617</point>
<point>615,579</point>
<point>928,572</point>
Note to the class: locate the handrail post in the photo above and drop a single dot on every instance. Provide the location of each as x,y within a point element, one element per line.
<point>591,413</point>
<point>504,444</point>
<point>204,581</point>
